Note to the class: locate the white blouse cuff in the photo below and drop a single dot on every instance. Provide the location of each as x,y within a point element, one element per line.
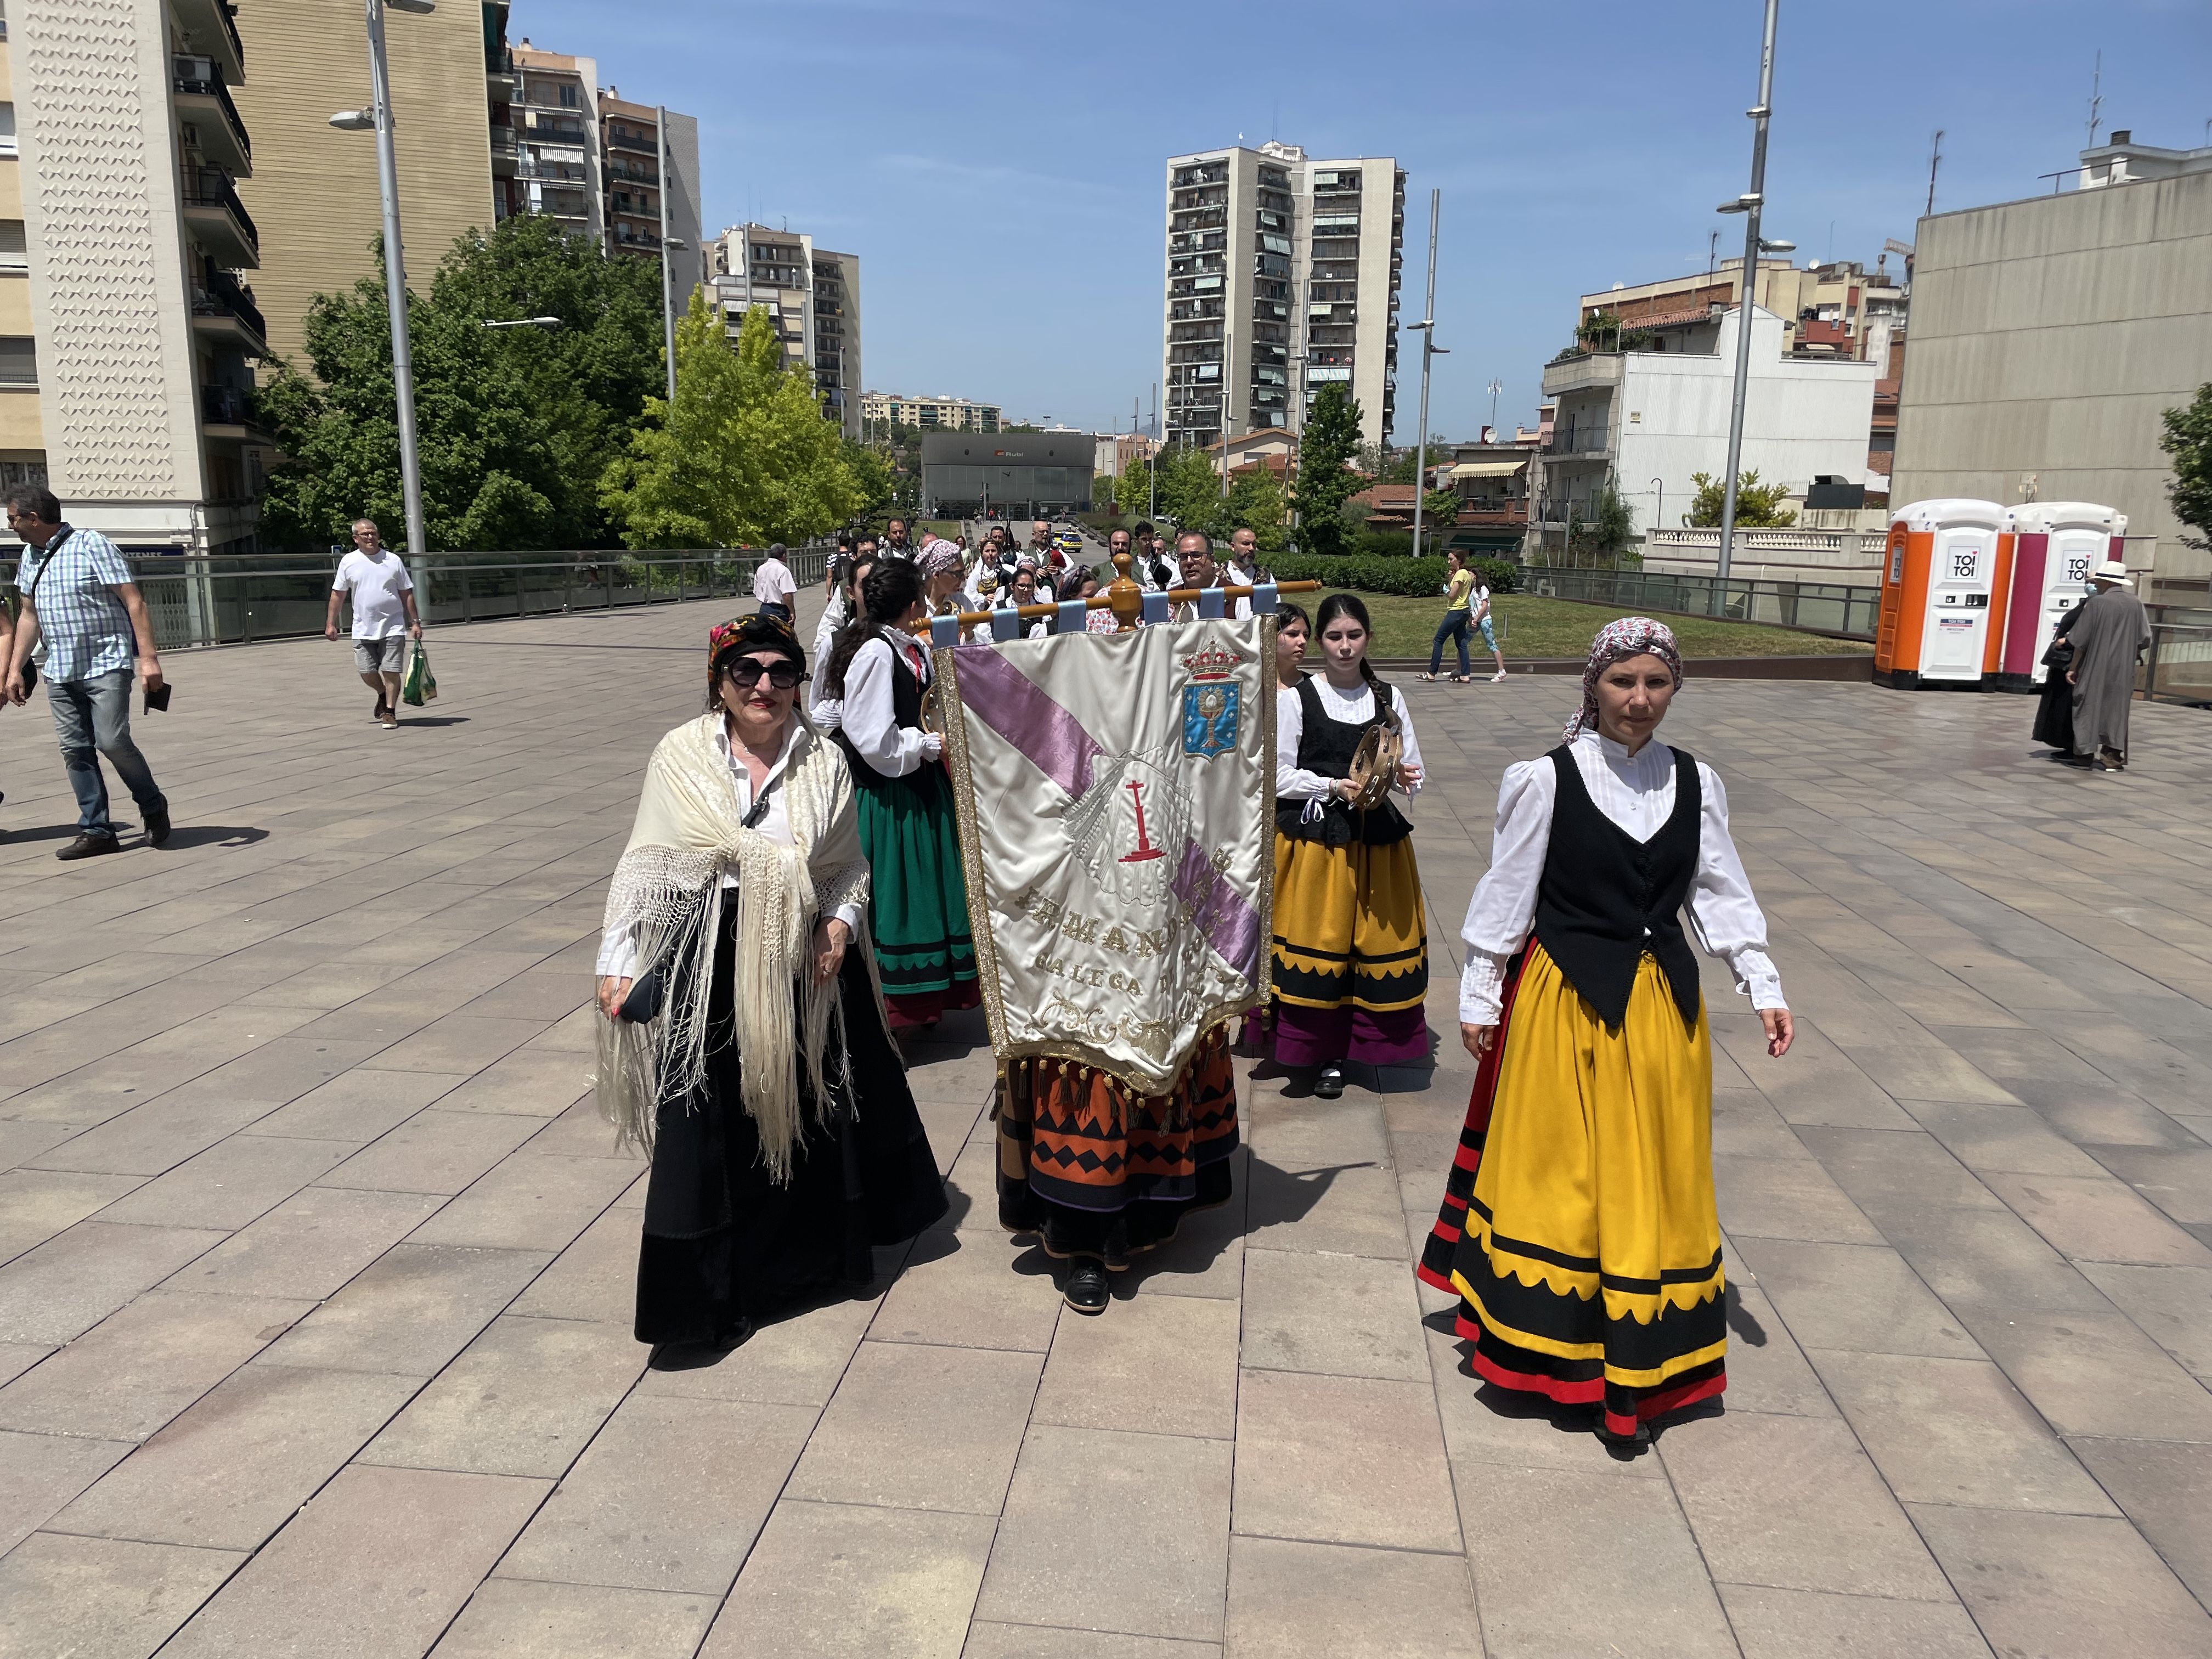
<point>1481,988</point>
<point>1755,976</point>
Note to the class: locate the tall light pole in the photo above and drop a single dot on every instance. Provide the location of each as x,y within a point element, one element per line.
<point>667,307</point>
<point>1493,389</point>
<point>1429,349</point>
<point>1748,204</point>
<point>1658,509</point>
<point>379,116</point>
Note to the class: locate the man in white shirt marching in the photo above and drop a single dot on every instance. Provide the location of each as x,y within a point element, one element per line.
<point>384,616</point>
<point>1194,552</point>
<point>774,589</point>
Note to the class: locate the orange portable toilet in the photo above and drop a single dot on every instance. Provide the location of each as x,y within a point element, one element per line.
<point>2054,545</point>
<point>1942,593</point>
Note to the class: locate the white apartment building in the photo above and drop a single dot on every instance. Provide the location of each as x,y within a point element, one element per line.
<point>1648,420</point>
<point>125,330</point>
<point>929,414</point>
<point>1282,277</point>
<point>813,298</point>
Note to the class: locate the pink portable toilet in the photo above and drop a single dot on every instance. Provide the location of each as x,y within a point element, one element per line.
<point>2054,545</point>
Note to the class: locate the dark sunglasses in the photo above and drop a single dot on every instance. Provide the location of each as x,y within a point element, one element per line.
<point>744,672</point>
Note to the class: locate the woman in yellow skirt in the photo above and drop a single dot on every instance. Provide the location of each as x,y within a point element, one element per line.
<point>1578,1228</point>
<point>1351,953</point>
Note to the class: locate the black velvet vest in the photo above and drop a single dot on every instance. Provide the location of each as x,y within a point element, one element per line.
<point>1605,899</point>
<point>906,709</point>
<point>1326,747</point>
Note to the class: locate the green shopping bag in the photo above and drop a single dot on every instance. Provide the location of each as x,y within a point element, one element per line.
<point>421,685</point>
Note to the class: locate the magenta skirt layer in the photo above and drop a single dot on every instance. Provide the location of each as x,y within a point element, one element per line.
<point>1323,1036</point>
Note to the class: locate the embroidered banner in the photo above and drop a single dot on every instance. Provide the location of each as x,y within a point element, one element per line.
<point>1116,801</point>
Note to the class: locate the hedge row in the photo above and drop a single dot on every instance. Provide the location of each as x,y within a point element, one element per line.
<point>1421,578</point>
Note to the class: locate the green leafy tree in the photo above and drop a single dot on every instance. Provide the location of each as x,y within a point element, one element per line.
<point>744,457</point>
<point>1257,503</point>
<point>1133,491</point>
<point>1604,536</point>
<point>1326,480</point>
<point>1440,506</point>
<point>2188,439</point>
<point>514,424</point>
<point>874,477</point>
<point>1190,490</point>
<point>1758,506</point>
<point>1105,491</point>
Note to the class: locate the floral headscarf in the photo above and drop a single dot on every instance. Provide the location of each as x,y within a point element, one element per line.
<point>939,556</point>
<point>1631,636</point>
<point>756,631</point>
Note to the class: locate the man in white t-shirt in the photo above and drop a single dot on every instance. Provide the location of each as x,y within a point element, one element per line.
<point>384,616</point>
<point>774,590</point>
<point>1194,551</point>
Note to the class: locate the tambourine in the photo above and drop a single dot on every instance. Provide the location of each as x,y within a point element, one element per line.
<point>933,707</point>
<point>1374,763</point>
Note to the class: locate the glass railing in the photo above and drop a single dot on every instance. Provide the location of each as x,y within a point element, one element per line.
<point>1821,607</point>
<point>195,601</point>
<point>2178,667</point>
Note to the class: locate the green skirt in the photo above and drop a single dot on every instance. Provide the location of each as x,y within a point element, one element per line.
<point>918,906</point>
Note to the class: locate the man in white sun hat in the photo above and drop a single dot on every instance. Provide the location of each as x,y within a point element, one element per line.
<point>2111,632</point>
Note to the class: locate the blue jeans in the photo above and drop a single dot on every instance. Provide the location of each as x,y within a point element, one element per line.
<point>92,718</point>
<point>1452,627</point>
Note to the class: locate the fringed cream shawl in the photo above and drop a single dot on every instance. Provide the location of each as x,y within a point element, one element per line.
<point>668,893</point>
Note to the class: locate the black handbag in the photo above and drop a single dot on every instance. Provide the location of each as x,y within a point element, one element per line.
<point>646,990</point>
<point>2059,653</point>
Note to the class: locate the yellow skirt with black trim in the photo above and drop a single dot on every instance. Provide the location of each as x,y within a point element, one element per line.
<point>1348,926</point>
<point>1589,1263</point>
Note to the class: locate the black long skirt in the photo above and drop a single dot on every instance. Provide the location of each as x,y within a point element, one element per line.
<point>726,1247</point>
<point>2054,712</point>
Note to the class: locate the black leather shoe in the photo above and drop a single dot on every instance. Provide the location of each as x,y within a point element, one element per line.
<point>1085,1287</point>
<point>157,827</point>
<point>88,847</point>
<point>1330,1085</point>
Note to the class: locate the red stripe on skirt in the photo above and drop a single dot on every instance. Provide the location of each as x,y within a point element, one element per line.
<point>1479,1101</point>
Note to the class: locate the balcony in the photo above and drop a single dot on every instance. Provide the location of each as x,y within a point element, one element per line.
<point>228,410</point>
<point>223,311</point>
<point>644,143</point>
<point>506,153</point>
<point>213,27</point>
<point>219,220</point>
<point>205,100</point>
<point>544,130</point>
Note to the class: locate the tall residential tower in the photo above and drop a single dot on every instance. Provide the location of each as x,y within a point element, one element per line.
<point>811,295</point>
<point>1282,277</point>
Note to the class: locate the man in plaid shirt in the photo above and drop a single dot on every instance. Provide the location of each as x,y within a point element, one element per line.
<point>79,597</point>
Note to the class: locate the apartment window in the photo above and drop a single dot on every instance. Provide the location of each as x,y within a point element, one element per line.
<point>568,98</point>
<point>19,361</point>
<point>7,126</point>
<point>14,252</point>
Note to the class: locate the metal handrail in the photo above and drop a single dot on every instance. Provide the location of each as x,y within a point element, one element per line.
<point>202,600</point>
<point>1842,609</point>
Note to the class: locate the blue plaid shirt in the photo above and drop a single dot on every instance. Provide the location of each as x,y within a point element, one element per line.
<point>83,622</point>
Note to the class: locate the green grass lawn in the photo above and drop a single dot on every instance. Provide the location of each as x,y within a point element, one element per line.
<point>1555,628</point>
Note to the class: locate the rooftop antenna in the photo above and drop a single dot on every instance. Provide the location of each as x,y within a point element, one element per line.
<point>2096,98</point>
<point>1712,250</point>
<point>1935,157</point>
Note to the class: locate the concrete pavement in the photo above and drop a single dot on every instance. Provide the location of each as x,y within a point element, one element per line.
<point>317,1263</point>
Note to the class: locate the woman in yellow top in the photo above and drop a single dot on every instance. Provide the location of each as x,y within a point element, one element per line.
<point>1459,587</point>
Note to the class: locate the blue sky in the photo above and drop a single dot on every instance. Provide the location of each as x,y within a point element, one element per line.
<point>998,164</point>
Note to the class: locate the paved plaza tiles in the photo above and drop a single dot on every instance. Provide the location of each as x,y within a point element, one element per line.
<point>318,1262</point>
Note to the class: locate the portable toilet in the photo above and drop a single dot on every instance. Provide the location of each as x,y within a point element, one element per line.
<point>2054,547</point>
<point>1941,590</point>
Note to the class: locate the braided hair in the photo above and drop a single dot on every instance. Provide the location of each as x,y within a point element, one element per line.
<point>892,588</point>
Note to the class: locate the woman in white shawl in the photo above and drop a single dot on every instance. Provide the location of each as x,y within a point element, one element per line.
<point>744,1047</point>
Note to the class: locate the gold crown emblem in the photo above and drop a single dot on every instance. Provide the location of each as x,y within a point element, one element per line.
<point>1214,664</point>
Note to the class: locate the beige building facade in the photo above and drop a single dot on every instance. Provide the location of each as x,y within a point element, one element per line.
<point>929,414</point>
<point>811,295</point>
<point>1840,309</point>
<point>1283,275</point>
<point>2049,335</point>
<point>314,190</point>
<point>129,332</point>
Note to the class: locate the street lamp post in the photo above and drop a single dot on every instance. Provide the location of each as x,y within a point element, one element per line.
<point>1429,349</point>
<point>1748,204</point>
<point>667,307</point>
<point>379,116</point>
<point>1658,508</point>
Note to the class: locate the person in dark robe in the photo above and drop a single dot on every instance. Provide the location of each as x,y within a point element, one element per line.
<point>2111,633</point>
<point>2054,709</point>
<point>745,1048</point>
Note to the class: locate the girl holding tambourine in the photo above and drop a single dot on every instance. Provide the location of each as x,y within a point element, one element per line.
<point>1351,953</point>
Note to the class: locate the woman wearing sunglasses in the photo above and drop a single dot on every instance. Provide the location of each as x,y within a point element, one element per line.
<point>918,910</point>
<point>761,1080</point>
